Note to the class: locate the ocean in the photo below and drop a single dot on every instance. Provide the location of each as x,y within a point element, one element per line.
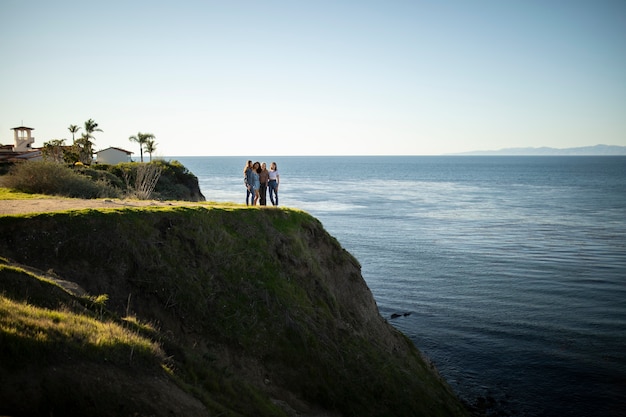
<point>509,273</point>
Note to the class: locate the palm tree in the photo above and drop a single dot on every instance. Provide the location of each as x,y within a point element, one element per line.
<point>74,129</point>
<point>141,139</point>
<point>150,146</point>
<point>90,127</point>
<point>84,143</point>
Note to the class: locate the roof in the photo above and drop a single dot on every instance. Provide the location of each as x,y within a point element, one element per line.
<point>13,156</point>
<point>22,128</point>
<point>117,149</point>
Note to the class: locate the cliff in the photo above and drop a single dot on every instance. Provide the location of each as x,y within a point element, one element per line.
<point>201,311</point>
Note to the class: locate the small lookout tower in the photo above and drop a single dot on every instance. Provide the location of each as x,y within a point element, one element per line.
<point>23,138</point>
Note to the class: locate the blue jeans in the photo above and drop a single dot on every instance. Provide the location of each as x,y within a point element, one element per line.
<point>273,192</point>
<point>250,196</point>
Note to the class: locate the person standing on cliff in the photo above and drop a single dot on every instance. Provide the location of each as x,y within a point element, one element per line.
<point>264,177</point>
<point>247,180</point>
<point>256,184</point>
<point>273,183</point>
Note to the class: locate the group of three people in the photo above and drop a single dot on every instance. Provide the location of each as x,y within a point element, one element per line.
<point>258,180</point>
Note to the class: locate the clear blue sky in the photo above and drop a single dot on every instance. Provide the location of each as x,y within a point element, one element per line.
<point>317,77</point>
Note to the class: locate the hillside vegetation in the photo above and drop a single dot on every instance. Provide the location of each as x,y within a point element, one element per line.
<point>204,311</point>
<point>163,180</point>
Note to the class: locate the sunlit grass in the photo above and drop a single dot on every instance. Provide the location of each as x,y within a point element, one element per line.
<point>135,322</point>
<point>29,328</point>
<point>11,194</point>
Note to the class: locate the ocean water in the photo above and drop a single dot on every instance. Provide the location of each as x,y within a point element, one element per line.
<point>509,273</point>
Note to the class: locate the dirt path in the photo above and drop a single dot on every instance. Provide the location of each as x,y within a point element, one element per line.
<point>8,207</point>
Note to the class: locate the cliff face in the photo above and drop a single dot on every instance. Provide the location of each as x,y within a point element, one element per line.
<point>254,312</point>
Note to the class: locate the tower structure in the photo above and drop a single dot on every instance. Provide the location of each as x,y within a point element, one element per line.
<point>23,138</point>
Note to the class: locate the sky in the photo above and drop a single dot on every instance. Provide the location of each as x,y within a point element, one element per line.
<point>319,77</point>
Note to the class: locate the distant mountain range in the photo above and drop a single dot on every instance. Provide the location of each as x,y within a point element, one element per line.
<point>584,150</point>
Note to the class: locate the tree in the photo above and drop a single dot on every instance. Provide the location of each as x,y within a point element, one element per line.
<point>90,127</point>
<point>141,139</point>
<point>74,129</point>
<point>85,149</point>
<point>54,150</point>
<point>84,145</point>
<point>150,146</point>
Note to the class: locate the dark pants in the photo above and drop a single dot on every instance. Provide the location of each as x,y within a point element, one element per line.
<point>263,194</point>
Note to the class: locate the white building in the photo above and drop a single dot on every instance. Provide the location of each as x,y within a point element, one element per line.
<point>23,139</point>
<point>113,156</point>
<point>22,149</point>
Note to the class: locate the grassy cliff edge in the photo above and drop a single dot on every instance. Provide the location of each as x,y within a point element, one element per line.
<point>202,311</point>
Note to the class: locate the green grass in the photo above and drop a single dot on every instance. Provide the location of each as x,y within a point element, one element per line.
<point>37,317</point>
<point>29,331</point>
<point>12,194</point>
<point>230,288</point>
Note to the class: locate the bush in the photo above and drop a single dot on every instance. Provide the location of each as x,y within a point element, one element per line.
<point>43,177</point>
<point>176,182</point>
<point>159,180</point>
<point>97,174</point>
<point>146,178</point>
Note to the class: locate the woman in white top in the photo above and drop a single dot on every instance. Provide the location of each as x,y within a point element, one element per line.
<point>273,183</point>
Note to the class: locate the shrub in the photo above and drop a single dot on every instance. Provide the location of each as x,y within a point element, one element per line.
<point>175,182</point>
<point>159,179</point>
<point>96,173</point>
<point>43,177</point>
<point>146,178</point>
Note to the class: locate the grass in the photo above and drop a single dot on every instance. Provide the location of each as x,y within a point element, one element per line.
<point>12,194</point>
<point>38,318</point>
<point>232,288</point>
<point>29,331</point>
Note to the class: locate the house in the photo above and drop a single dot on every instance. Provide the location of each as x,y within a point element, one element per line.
<point>113,156</point>
<point>22,149</point>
